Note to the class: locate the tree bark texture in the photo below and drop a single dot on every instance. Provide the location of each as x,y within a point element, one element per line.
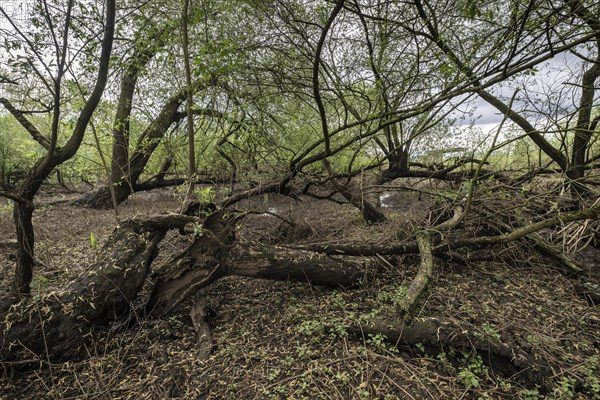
<point>56,326</point>
<point>23,218</point>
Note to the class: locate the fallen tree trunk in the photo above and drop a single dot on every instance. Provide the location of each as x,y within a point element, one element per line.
<point>201,265</point>
<point>435,335</point>
<point>444,248</point>
<point>56,326</point>
<point>281,263</point>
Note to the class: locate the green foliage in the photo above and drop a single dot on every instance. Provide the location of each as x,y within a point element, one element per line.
<point>491,331</point>
<point>469,378</point>
<point>393,297</point>
<point>473,371</point>
<point>198,229</point>
<point>380,343</point>
<point>592,369</point>
<point>38,285</point>
<point>529,394</point>
<point>310,327</point>
<point>18,151</point>
<point>216,58</point>
<point>565,389</point>
<point>6,207</point>
<point>205,195</point>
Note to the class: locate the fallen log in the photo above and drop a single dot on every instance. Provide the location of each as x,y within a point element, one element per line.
<point>281,263</point>
<point>436,335</point>
<point>56,326</point>
<point>203,263</point>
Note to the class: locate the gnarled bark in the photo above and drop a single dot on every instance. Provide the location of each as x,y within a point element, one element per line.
<point>215,254</point>
<point>56,326</point>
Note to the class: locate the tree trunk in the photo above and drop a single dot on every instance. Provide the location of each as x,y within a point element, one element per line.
<point>56,326</point>
<point>23,218</point>
<point>281,263</point>
<point>356,197</point>
<point>434,335</point>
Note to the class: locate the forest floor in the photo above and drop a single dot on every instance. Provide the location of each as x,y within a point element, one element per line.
<point>285,340</point>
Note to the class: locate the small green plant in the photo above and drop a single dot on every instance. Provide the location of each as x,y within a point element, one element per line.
<point>380,342</point>
<point>175,321</point>
<point>469,378</point>
<point>393,297</point>
<point>362,392</point>
<point>304,351</point>
<point>205,195</point>
<point>337,300</point>
<point>273,374</point>
<point>491,331</point>
<point>92,240</point>
<point>309,328</point>
<point>288,361</point>
<point>342,377</point>
<point>37,285</point>
<point>564,389</point>
<point>592,379</point>
<point>198,229</point>
<point>474,370</point>
<point>338,329</point>
<point>529,394</point>
<point>444,362</point>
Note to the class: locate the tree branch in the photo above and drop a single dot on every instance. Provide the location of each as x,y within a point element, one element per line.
<point>15,198</point>
<point>29,127</point>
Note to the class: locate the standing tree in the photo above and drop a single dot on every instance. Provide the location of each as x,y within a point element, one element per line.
<point>534,35</point>
<point>189,97</point>
<point>47,79</point>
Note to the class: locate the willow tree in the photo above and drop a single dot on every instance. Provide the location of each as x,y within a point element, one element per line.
<point>45,79</point>
<point>529,35</point>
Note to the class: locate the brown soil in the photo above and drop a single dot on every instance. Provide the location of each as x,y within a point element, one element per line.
<point>283,340</point>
